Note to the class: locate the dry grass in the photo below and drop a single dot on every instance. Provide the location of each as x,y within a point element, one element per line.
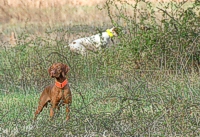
<point>65,11</point>
<point>36,16</point>
<point>55,3</point>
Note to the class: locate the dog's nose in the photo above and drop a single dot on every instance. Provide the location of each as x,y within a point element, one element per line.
<point>52,73</point>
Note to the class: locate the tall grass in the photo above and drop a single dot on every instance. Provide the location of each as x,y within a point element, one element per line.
<point>146,84</point>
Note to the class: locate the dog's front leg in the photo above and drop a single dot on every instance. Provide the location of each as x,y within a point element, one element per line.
<point>43,102</point>
<point>67,112</point>
<point>39,109</point>
<point>52,111</point>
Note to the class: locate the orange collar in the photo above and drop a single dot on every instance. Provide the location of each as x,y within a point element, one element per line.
<point>61,85</point>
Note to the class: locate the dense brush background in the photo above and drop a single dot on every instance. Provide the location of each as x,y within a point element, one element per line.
<point>145,84</point>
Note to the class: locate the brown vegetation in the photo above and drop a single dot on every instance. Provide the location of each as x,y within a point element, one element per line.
<point>38,14</point>
<point>54,3</point>
<point>59,11</point>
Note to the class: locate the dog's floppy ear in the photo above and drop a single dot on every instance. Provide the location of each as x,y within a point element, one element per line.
<point>49,71</point>
<point>65,69</point>
<point>115,31</point>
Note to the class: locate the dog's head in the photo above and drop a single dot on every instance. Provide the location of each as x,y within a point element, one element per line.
<point>58,70</point>
<point>114,31</point>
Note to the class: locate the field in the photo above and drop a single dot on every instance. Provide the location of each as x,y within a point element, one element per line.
<point>145,84</point>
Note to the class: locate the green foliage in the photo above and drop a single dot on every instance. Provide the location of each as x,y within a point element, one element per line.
<point>127,108</point>
<point>169,45</point>
<point>146,84</point>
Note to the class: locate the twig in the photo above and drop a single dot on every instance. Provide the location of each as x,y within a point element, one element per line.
<point>170,17</point>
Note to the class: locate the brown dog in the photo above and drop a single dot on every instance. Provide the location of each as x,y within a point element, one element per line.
<point>58,93</point>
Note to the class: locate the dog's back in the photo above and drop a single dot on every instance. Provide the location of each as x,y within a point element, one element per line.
<point>93,43</point>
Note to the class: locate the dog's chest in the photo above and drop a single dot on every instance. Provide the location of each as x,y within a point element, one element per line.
<point>59,94</point>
